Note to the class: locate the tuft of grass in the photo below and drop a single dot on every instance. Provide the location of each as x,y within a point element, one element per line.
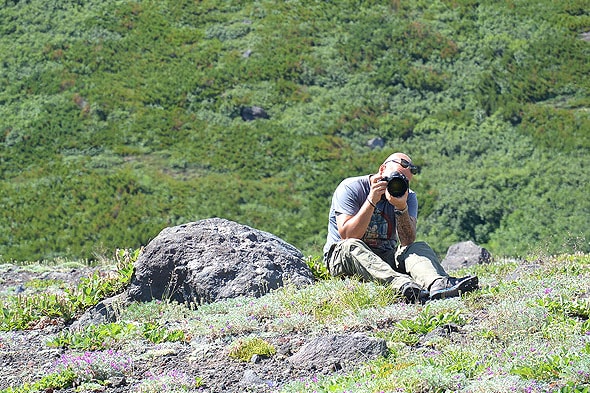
<point>318,267</point>
<point>428,321</point>
<point>244,349</point>
<point>157,334</point>
<point>93,337</point>
<point>409,331</point>
<point>545,368</point>
<point>56,380</point>
<point>339,298</point>
<point>570,388</point>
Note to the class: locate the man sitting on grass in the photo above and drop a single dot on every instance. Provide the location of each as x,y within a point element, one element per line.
<point>372,235</point>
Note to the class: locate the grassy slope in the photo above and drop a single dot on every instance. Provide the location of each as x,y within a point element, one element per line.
<point>120,118</point>
<point>526,330</point>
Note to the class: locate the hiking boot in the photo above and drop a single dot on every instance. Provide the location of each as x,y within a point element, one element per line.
<point>447,287</point>
<point>413,293</point>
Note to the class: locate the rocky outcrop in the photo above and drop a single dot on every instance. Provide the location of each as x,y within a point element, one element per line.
<point>213,259</point>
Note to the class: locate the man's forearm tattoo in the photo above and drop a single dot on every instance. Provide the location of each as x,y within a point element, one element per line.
<point>406,228</point>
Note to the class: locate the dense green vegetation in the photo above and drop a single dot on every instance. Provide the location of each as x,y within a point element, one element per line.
<point>119,118</point>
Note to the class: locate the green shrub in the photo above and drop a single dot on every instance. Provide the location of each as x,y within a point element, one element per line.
<point>121,118</point>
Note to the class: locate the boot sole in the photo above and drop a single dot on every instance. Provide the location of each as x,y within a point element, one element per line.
<point>467,285</point>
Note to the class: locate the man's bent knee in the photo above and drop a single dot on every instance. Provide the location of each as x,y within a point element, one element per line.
<point>343,258</point>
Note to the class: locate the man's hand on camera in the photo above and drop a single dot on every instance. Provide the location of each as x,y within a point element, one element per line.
<point>378,189</point>
<point>399,203</point>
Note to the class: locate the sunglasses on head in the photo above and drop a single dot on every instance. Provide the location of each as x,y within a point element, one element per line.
<point>405,164</point>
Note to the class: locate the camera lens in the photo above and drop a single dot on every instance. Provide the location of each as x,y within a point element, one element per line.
<point>397,186</point>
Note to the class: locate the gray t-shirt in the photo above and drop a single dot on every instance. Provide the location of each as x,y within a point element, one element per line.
<point>348,198</point>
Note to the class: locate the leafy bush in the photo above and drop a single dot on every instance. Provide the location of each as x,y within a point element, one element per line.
<point>22,312</point>
<point>121,118</point>
<point>109,335</point>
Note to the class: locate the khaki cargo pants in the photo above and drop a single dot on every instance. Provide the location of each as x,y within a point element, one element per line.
<point>416,262</point>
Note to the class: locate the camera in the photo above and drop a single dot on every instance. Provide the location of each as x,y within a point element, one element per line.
<point>397,184</point>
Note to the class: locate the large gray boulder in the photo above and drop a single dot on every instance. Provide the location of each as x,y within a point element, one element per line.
<point>213,259</point>
<point>465,254</point>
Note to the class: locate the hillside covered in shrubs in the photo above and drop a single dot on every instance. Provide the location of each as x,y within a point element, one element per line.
<point>119,118</point>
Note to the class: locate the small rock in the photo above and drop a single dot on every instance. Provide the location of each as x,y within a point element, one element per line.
<point>465,254</point>
<point>253,113</point>
<point>336,352</point>
<point>251,379</point>
<point>375,143</point>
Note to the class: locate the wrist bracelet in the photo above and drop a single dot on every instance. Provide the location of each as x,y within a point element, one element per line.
<point>371,203</point>
<point>400,212</point>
